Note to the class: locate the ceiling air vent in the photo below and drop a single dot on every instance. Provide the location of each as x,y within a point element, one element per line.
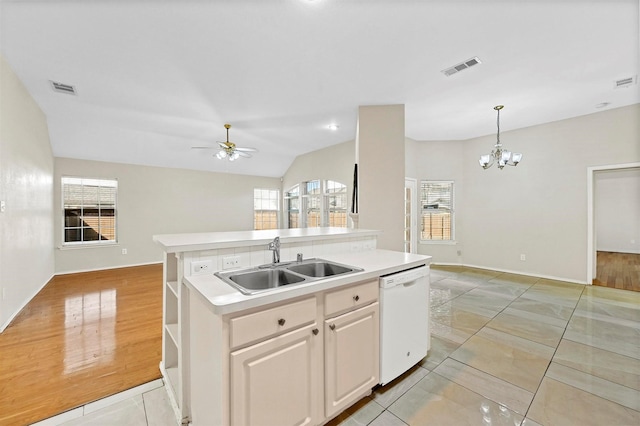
<point>63,88</point>
<point>625,82</point>
<point>461,66</point>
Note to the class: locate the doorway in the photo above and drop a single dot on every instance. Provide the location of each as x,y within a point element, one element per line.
<point>592,235</point>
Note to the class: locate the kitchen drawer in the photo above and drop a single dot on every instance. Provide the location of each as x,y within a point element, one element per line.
<point>351,297</point>
<point>269,322</point>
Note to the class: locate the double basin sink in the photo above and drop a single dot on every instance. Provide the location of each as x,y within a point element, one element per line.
<point>275,275</point>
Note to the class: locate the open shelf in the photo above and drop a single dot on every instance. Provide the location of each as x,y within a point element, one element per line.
<point>173,286</point>
<point>173,331</point>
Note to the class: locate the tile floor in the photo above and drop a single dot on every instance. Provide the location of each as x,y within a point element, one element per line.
<point>506,350</point>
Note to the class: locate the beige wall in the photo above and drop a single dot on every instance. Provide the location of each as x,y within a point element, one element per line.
<point>380,150</point>
<point>156,200</point>
<point>617,210</point>
<point>538,208</point>
<point>26,170</point>
<point>334,162</point>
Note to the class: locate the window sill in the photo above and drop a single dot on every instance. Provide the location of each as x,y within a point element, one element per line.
<point>439,242</point>
<point>87,246</point>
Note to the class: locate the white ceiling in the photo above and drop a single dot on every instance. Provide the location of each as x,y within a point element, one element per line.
<point>156,77</point>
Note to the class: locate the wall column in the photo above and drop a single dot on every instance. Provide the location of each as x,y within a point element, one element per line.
<point>381,162</point>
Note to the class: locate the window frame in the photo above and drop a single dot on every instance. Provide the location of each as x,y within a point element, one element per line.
<point>276,210</point>
<point>318,201</point>
<point>84,181</point>
<point>452,212</point>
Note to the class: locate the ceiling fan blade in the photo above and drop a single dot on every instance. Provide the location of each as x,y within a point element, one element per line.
<point>223,144</point>
<point>204,147</point>
<point>246,149</point>
<point>243,154</point>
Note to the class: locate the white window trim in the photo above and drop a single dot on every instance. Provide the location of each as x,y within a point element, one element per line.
<point>453,240</point>
<point>74,245</point>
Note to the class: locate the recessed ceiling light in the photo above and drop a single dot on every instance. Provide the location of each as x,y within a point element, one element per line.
<point>333,127</point>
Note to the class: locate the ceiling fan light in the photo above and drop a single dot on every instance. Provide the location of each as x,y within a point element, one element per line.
<point>221,154</point>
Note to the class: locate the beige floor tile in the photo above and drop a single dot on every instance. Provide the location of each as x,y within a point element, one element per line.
<point>607,365</point>
<point>604,308</point>
<point>527,325</point>
<point>439,351</point>
<point>499,391</point>
<point>612,296</point>
<point>554,314</point>
<point>608,333</point>
<point>503,289</point>
<point>482,302</point>
<point>511,358</point>
<point>603,388</point>
<point>387,419</point>
<point>385,395</point>
<point>507,278</point>
<point>129,412</point>
<point>158,408</point>
<point>455,324</point>
<point>436,400</point>
<point>361,413</point>
<point>559,404</point>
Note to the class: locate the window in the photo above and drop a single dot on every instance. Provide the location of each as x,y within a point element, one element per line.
<point>89,211</point>
<point>323,203</point>
<point>336,194</point>
<point>437,213</point>
<point>292,206</point>
<point>265,208</point>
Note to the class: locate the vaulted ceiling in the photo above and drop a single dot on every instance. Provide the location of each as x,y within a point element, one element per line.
<point>154,78</point>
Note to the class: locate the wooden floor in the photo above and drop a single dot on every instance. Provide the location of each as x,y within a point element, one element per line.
<point>83,337</point>
<point>618,270</point>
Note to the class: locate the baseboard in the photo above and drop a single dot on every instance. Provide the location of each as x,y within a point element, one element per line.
<point>24,304</point>
<point>619,251</point>
<point>509,271</point>
<point>107,268</point>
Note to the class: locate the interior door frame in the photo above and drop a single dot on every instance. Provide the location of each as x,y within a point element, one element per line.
<point>412,184</point>
<point>591,231</point>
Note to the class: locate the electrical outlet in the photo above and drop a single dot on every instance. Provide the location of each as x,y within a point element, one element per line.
<point>230,262</point>
<point>3,206</point>
<point>124,251</point>
<point>523,257</point>
<point>201,266</point>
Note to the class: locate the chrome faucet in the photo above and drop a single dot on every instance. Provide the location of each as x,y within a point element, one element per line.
<point>275,247</point>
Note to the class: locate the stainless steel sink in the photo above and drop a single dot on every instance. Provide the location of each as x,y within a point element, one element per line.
<point>320,268</point>
<point>275,275</point>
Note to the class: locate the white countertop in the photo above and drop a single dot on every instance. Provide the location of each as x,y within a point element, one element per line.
<point>173,243</point>
<point>224,299</point>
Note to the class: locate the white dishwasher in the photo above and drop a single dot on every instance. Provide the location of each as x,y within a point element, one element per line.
<point>404,321</point>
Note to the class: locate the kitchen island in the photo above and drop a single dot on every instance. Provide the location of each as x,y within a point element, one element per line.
<point>298,354</point>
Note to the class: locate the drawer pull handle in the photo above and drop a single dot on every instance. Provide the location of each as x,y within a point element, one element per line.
<point>332,326</point>
<point>315,331</point>
<point>281,321</point>
<point>356,297</point>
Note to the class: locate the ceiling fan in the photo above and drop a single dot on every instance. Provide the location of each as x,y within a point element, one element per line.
<point>228,149</point>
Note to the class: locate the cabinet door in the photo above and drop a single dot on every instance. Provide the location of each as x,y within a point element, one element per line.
<point>351,357</point>
<point>276,382</point>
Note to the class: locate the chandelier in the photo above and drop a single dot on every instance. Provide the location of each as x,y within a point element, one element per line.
<point>499,155</point>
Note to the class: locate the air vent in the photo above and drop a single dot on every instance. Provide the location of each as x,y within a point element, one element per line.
<point>625,82</point>
<point>63,88</point>
<point>461,66</point>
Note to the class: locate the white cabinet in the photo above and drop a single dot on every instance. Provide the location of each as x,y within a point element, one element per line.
<point>275,382</point>
<point>303,362</point>
<point>352,346</point>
